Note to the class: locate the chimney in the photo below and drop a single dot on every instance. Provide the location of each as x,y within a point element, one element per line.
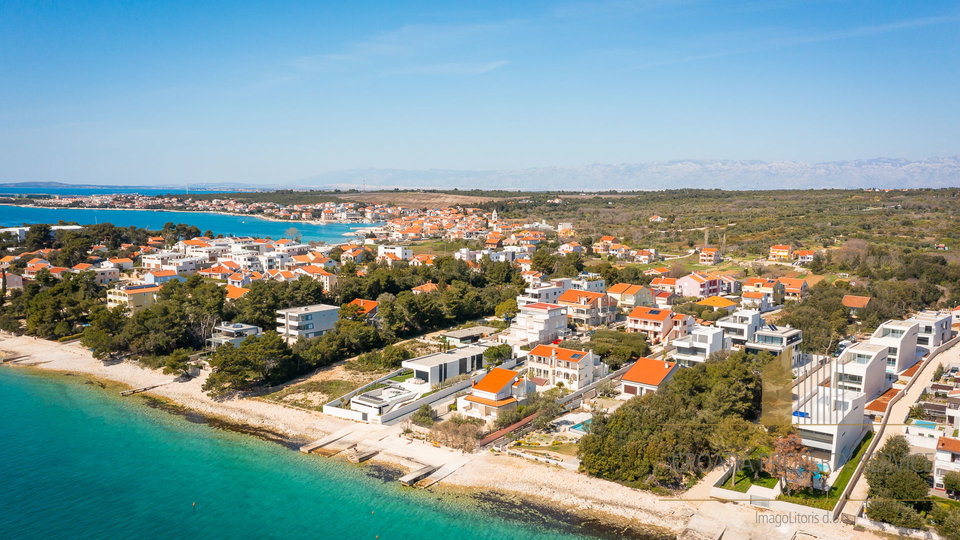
<point>666,365</point>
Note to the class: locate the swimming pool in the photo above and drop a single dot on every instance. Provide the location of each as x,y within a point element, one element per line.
<point>925,424</point>
<point>582,427</point>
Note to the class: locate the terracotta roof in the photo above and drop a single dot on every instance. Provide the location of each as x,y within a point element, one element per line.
<point>792,285</point>
<point>577,297</point>
<point>856,302</point>
<point>163,273</point>
<point>236,292</point>
<point>752,294</point>
<point>649,371</point>
<point>567,355</point>
<point>664,281</point>
<point>780,247</point>
<point>949,445</point>
<point>880,404</point>
<point>427,287</point>
<point>624,288</point>
<point>716,302</point>
<point>366,306</point>
<point>912,370</point>
<point>490,402</point>
<point>541,305</point>
<point>495,380</point>
<point>650,314</point>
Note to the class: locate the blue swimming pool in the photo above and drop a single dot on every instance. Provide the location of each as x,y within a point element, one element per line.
<point>582,427</point>
<point>925,424</point>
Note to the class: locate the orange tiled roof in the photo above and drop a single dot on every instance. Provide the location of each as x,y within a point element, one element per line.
<point>649,371</point>
<point>852,301</point>
<point>567,355</point>
<point>495,380</point>
<point>650,314</point>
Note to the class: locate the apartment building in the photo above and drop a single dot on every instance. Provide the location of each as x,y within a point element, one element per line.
<point>589,282</point>
<point>780,252</point>
<point>934,328</point>
<point>775,340</point>
<point>740,327</point>
<point>862,368</point>
<point>947,459</point>
<point>710,256</point>
<point>695,347</point>
<point>133,297</point>
<point>658,324</point>
<point>771,287</point>
<point>535,324</point>
<point>900,338</point>
<point>698,285</point>
<point>588,308</point>
<point>630,296</point>
<point>306,321</point>
<point>545,293</point>
<point>831,422</point>
<point>794,289</point>
<point>571,368</point>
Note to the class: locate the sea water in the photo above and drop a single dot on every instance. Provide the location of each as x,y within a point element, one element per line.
<point>229,225</point>
<point>78,461</point>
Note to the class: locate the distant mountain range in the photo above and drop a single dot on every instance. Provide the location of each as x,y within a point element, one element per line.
<point>705,174</point>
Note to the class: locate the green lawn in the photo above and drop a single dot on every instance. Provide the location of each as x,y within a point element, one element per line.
<point>827,501</point>
<point>402,377</point>
<point>745,479</point>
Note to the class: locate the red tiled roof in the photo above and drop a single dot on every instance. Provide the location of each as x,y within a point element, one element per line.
<point>949,445</point>
<point>649,371</point>
<point>650,314</point>
<point>856,302</point>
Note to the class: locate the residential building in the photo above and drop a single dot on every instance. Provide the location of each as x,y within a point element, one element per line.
<point>664,284</point>
<point>436,368</point>
<point>571,247</point>
<point>232,333</point>
<point>855,303</point>
<point>780,252</point>
<point>654,324</point>
<point>630,296</point>
<point>759,301</point>
<point>468,335</point>
<point>831,422</point>
<point>590,282</point>
<point>804,256</point>
<point>102,275</point>
<point>710,256</point>
<point>794,289</point>
<point>571,368</point>
<point>535,324</point>
<point>698,285</point>
<point>426,288</point>
<point>547,293</point>
<point>402,253</point>
<point>499,390</point>
<point>947,459</point>
<point>159,277</point>
<point>133,297</point>
<point>900,338</point>
<point>771,287</point>
<point>729,285</point>
<point>718,302</point>
<point>695,347</point>
<point>646,376</point>
<point>369,308</point>
<point>380,401</point>
<point>306,321</point>
<point>934,328</point>
<point>776,340</point>
<point>862,368</point>
<point>663,299</point>
<point>740,327</point>
<point>588,308</point>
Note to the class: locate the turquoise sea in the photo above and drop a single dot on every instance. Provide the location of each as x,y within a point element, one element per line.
<point>15,216</point>
<point>81,462</point>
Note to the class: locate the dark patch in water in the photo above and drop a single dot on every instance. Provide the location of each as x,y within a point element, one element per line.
<point>384,473</point>
<point>195,417</point>
<point>553,518</point>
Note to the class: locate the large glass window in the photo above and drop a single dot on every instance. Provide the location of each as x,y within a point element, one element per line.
<point>816,436</point>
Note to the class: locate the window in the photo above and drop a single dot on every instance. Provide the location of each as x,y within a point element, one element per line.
<point>846,377</point>
<point>816,436</point>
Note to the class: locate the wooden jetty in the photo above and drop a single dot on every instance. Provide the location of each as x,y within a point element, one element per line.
<point>130,392</point>
<point>419,474</point>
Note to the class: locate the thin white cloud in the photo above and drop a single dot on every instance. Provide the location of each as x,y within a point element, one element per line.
<point>797,40</point>
<point>451,68</point>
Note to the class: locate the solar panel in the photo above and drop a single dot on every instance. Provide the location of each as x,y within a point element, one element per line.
<point>654,311</point>
<point>576,356</point>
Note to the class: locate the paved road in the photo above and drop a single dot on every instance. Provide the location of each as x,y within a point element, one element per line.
<point>898,416</point>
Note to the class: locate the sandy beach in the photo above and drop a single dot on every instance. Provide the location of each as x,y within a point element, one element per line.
<point>485,475</point>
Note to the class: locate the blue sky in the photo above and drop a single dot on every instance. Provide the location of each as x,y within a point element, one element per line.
<point>172,92</point>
